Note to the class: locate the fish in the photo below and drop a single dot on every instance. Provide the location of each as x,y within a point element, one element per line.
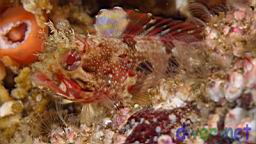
<point>128,54</point>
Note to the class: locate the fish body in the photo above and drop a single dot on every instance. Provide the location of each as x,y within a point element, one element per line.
<point>114,61</point>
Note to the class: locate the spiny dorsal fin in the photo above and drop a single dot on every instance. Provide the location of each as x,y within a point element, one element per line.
<point>133,23</point>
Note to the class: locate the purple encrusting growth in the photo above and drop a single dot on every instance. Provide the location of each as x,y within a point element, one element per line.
<point>147,125</point>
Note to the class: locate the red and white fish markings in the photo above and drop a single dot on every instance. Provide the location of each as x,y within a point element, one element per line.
<point>124,38</point>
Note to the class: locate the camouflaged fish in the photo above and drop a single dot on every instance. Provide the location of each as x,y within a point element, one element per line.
<point>129,53</point>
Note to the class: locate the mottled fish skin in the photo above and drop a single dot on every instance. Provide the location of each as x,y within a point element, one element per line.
<point>123,39</point>
<point>149,34</point>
